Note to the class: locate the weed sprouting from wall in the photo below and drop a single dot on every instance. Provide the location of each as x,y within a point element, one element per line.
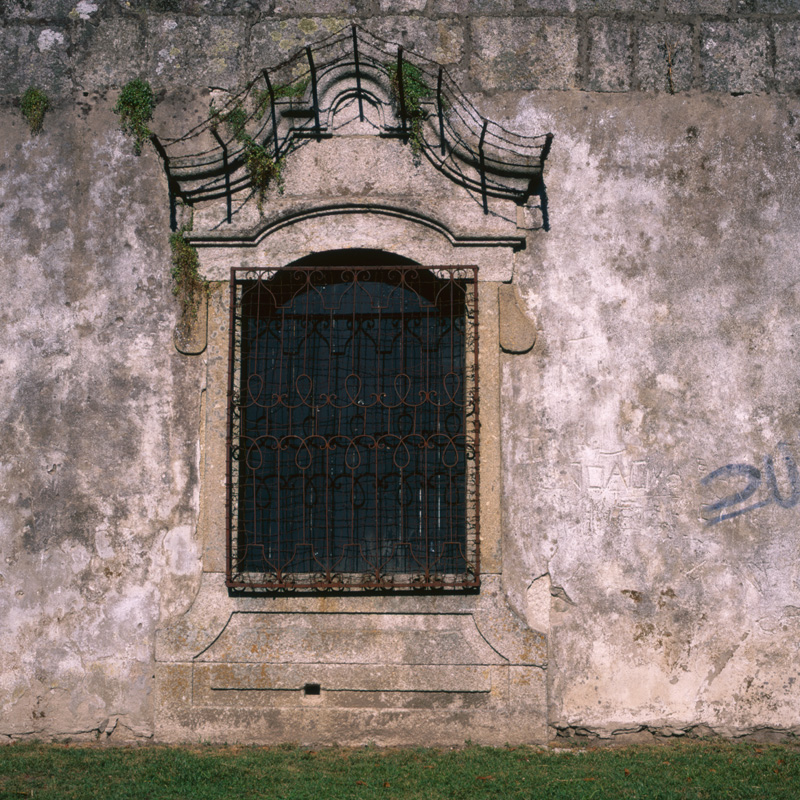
<point>34,105</point>
<point>293,91</point>
<point>414,90</point>
<point>135,108</point>
<point>262,168</point>
<point>189,286</point>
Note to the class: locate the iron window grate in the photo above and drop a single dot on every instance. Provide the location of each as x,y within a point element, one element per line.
<point>353,428</point>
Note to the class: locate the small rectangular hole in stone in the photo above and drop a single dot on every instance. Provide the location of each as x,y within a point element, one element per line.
<point>311,689</point>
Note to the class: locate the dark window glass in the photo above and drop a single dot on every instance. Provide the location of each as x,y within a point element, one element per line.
<point>353,429</point>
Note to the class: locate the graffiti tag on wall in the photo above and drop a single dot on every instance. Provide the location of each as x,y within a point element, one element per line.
<point>752,479</point>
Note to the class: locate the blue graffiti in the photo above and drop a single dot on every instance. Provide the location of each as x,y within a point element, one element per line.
<point>752,477</point>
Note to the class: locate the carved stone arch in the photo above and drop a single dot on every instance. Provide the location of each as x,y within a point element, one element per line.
<point>301,230</point>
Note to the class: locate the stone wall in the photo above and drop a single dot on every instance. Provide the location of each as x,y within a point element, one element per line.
<point>729,46</point>
<point>664,291</point>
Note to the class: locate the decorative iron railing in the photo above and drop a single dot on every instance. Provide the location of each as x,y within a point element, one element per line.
<point>319,90</point>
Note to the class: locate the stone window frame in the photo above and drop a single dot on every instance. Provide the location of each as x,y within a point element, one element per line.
<point>211,342</point>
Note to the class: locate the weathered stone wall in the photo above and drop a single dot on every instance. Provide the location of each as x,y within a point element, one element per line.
<point>666,294</point>
<point>731,46</point>
<point>664,291</point>
<point>99,429</point>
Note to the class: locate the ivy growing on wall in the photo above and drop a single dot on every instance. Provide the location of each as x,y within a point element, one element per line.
<point>135,108</point>
<point>189,286</point>
<point>34,104</point>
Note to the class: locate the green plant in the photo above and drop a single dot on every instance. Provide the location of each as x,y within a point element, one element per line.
<point>262,168</point>
<point>414,90</point>
<point>189,286</point>
<point>680,771</point>
<point>135,108</point>
<point>34,105</point>
<point>282,90</point>
<point>235,121</point>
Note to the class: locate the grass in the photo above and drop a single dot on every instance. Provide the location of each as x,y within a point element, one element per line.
<point>718,770</point>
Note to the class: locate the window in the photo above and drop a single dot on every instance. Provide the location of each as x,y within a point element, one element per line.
<point>353,428</point>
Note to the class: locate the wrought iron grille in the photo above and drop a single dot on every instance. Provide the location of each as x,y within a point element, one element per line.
<point>353,428</point>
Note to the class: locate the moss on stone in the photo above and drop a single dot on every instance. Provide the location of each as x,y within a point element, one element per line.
<point>34,104</point>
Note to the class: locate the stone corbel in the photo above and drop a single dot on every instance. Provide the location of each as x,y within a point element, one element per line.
<point>517,330</point>
<point>191,340</point>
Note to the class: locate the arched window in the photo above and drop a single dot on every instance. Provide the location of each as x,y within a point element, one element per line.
<point>353,426</point>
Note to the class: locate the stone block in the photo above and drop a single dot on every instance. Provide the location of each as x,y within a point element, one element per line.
<point>491,6</point>
<point>764,7</point>
<point>449,7</point>
<point>556,6</point>
<point>439,40</point>
<point>734,57</point>
<point>50,10</point>
<point>273,40</point>
<point>787,56</point>
<point>174,685</point>
<point>197,7</point>
<point>610,55</point>
<point>665,57</point>
<point>527,685</point>
<point>35,55</point>
<point>195,50</point>
<point>615,6</point>
<point>322,7</point>
<point>517,330</point>
<point>330,638</point>
<point>111,53</point>
<point>273,684</point>
<point>697,6</point>
<point>402,6</point>
<point>528,53</point>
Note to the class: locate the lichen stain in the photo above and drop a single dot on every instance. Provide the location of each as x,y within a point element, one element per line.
<point>224,44</point>
<point>307,25</point>
<point>643,630</point>
<point>24,223</point>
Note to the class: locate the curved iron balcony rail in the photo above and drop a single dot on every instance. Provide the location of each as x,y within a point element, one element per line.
<point>353,75</point>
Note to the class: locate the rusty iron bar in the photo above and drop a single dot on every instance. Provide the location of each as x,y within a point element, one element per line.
<point>353,428</point>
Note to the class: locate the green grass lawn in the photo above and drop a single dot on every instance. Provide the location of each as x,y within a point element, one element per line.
<point>683,770</point>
